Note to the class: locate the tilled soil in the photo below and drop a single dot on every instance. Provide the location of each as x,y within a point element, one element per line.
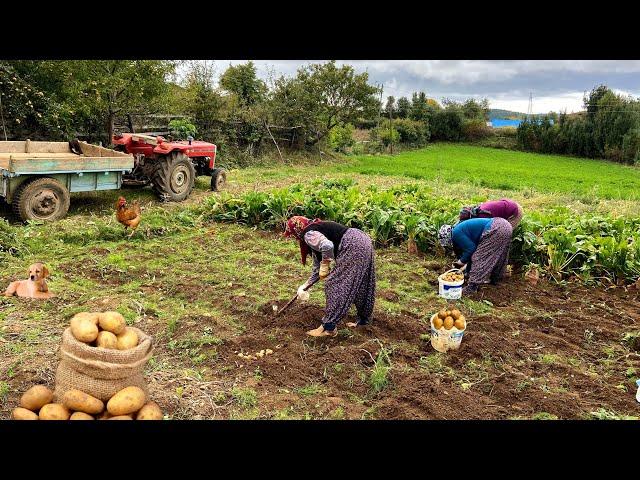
<point>537,351</point>
<point>568,362</point>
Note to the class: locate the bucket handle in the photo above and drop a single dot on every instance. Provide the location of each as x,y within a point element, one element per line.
<point>459,270</point>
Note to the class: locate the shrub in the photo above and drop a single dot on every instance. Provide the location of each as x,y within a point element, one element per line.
<point>341,137</point>
<point>182,128</point>
<point>386,135</point>
<point>412,132</point>
<point>473,130</point>
<point>447,124</point>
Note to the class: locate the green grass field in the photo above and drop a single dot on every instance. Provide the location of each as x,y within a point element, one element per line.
<point>201,290</point>
<point>507,170</point>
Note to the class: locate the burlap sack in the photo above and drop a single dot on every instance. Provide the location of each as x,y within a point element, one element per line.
<point>101,372</point>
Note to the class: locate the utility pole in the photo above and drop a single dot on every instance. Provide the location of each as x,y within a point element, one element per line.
<point>530,109</point>
<point>4,128</point>
<point>391,128</point>
<point>380,111</point>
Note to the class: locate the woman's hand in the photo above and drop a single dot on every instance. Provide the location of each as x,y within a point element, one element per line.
<point>303,295</point>
<point>324,269</point>
<point>459,265</point>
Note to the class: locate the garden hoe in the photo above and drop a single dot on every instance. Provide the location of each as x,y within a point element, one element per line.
<point>293,299</point>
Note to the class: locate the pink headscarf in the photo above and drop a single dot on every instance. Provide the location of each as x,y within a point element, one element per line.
<point>295,227</point>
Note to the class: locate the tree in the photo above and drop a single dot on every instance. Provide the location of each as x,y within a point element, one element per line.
<point>473,110</point>
<point>102,89</point>
<point>403,107</point>
<point>31,100</point>
<point>419,107</point>
<point>242,81</point>
<point>322,96</point>
<point>200,98</point>
<point>591,100</point>
<point>390,107</point>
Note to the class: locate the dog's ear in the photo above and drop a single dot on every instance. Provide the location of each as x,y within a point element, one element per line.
<point>45,272</point>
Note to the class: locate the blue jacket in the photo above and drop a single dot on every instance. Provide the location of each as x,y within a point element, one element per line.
<point>466,236</point>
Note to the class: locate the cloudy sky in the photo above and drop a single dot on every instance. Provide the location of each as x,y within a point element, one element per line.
<point>555,84</point>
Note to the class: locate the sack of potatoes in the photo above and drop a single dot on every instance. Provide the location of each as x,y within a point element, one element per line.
<point>130,403</point>
<point>103,330</point>
<point>100,355</point>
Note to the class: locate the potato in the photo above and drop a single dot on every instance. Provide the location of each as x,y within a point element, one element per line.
<point>455,313</point>
<point>104,415</point>
<point>448,323</point>
<point>20,413</point>
<point>80,416</point>
<point>112,322</point>
<point>150,411</point>
<point>127,339</point>
<point>128,400</point>
<point>84,330</point>
<point>82,402</point>
<point>54,411</point>
<point>92,316</point>
<point>121,417</point>
<point>34,398</point>
<point>437,323</point>
<point>107,340</point>
<point>442,314</point>
<point>459,324</point>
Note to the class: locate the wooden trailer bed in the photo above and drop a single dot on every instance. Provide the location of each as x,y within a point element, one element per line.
<point>57,157</point>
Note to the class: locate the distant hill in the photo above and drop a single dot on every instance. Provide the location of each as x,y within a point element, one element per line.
<point>507,114</point>
<point>510,115</point>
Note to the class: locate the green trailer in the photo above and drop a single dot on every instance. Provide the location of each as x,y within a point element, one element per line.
<point>36,178</point>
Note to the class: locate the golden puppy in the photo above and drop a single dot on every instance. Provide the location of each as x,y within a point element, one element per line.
<point>34,287</point>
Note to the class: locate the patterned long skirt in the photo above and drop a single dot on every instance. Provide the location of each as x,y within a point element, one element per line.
<point>515,220</point>
<point>489,261</point>
<point>352,280</point>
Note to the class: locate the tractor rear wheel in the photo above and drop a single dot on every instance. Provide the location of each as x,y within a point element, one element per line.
<point>218,179</point>
<point>44,199</point>
<point>174,177</point>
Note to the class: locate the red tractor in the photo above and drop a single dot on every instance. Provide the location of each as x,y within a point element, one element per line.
<point>171,167</point>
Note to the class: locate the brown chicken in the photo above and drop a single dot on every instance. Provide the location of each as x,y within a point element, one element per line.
<point>128,216</point>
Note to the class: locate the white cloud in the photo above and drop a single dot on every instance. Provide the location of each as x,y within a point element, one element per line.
<point>555,84</point>
<point>571,102</point>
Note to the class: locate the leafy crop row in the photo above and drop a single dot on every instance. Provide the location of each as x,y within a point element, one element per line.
<point>559,243</point>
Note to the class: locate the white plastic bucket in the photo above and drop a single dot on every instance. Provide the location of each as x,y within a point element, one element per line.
<point>449,290</point>
<point>443,339</point>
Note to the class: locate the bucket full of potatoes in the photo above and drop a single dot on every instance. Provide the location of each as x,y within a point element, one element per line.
<point>450,284</point>
<point>447,329</point>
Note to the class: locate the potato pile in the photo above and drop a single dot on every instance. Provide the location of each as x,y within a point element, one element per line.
<point>130,403</point>
<point>449,319</point>
<point>257,355</point>
<point>103,330</point>
<point>453,277</point>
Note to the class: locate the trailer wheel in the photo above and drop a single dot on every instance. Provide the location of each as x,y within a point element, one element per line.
<point>44,199</point>
<point>218,179</point>
<point>174,177</point>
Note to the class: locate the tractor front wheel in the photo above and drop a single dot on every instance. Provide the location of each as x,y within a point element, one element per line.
<point>174,177</point>
<point>44,199</point>
<point>218,179</point>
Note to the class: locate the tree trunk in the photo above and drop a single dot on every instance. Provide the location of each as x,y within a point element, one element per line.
<point>110,120</point>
